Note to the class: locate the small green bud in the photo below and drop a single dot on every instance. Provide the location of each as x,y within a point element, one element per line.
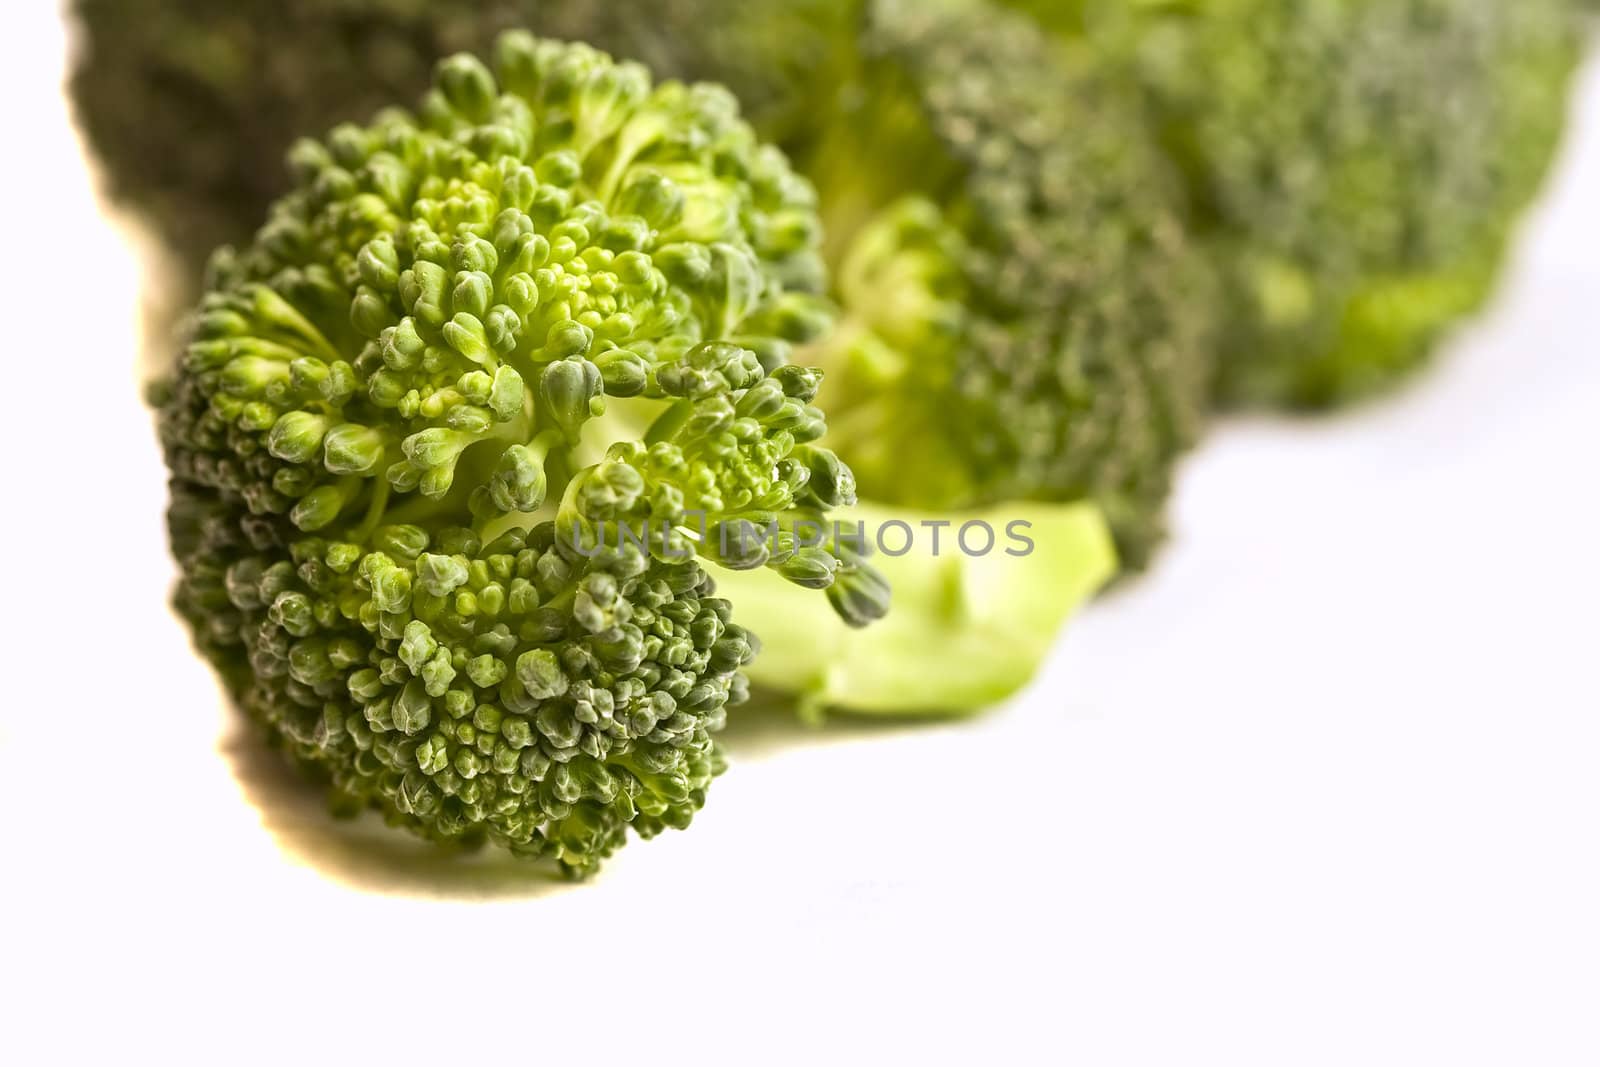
<point>624,373</point>
<point>737,544</point>
<point>350,448</point>
<point>468,87</point>
<point>319,507</point>
<point>472,254</point>
<point>297,435</point>
<point>831,483</point>
<point>507,394</point>
<point>412,709</point>
<point>563,169</point>
<point>379,263</point>
<point>653,197</point>
<point>567,339</point>
<point>402,346</point>
<point>486,671</point>
<point>810,568</point>
<point>370,313</point>
<point>518,482</point>
<point>466,334</point>
<point>473,293</point>
<point>859,594</point>
<point>418,645</point>
<point>540,674</point>
<point>441,575</point>
<point>573,393</point>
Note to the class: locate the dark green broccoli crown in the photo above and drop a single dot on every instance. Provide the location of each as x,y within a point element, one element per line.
<point>1028,322</point>
<point>455,435</point>
<point>1358,164</point>
<point>191,104</point>
<point>776,56</point>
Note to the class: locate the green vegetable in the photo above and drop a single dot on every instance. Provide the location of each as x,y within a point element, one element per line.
<point>456,437</point>
<point>191,104</point>
<point>1103,426</point>
<point>1023,318</point>
<point>1357,166</point>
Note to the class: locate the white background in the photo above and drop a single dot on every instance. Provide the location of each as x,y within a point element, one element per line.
<point>1321,790</point>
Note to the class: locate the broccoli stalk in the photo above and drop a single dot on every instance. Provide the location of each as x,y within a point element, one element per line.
<point>967,631</point>
<point>458,440</point>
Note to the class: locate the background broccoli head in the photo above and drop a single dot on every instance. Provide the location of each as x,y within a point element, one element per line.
<point>1356,165</point>
<point>457,438</point>
<point>1024,318</point>
<point>191,104</point>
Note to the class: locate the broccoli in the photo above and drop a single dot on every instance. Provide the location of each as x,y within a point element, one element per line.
<point>1023,317</point>
<point>1355,166</point>
<point>191,104</point>
<point>1053,397</point>
<point>455,439</point>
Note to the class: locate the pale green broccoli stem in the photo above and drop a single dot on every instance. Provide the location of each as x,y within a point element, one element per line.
<point>967,631</point>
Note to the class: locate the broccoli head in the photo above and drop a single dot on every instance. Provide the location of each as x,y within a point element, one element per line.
<point>458,438</point>
<point>191,104</point>
<point>1023,318</point>
<point>1357,166</point>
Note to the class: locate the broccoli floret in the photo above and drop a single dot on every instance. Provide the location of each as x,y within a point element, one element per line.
<point>1356,166</point>
<point>1023,317</point>
<point>455,439</point>
<point>191,104</point>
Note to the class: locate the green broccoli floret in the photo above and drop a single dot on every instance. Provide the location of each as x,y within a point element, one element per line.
<point>191,104</point>
<point>1357,166</point>
<point>455,438</point>
<point>1023,319</point>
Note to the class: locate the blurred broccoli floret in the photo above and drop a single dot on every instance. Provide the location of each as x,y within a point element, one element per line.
<point>191,104</point>
<point>1356,165</point>
<point>1023,318</point>
<point>456,437</point>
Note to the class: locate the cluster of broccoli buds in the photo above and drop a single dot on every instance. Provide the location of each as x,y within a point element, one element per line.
<point>418,413</point>
<point>1025,319</point>
<point>1355,167</point>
